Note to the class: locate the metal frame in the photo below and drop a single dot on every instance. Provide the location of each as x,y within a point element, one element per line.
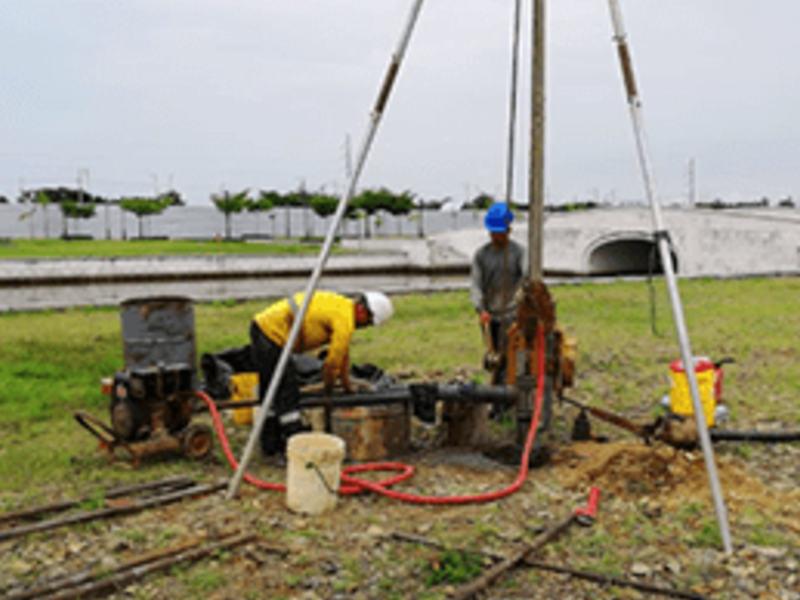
<point>536,222</point>
<point>669,274</point>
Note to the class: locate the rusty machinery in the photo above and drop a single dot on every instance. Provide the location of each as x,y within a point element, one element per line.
<point>151,399</point>
<point>537,309</point>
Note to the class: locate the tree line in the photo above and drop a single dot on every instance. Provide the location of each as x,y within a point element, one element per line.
<point>78,204</point>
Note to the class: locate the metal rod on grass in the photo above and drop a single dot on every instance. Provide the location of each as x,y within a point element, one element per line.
<point>669,271</point>
<point>375,117</point>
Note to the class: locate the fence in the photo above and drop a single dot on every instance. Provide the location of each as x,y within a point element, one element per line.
<point>205,222</point>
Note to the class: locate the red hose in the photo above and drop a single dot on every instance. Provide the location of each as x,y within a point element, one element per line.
<point>353,485</point>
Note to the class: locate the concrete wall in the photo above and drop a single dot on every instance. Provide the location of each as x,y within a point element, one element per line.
<point>208,222</point>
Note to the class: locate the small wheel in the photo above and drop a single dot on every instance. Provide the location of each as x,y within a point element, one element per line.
<point>197,441</point>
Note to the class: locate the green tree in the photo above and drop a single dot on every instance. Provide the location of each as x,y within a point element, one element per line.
<point>400,205</point>
<point>287,201</point>
<point>75,210</point>
<point>323,205</point>
<point>143,207</point>
<point>174,197</point>
<point>370,202</point>
<point>60,195</point>
<point>480,202</point>
<point>276,200</point>
<point>263,204</point>
<point>229,204</point>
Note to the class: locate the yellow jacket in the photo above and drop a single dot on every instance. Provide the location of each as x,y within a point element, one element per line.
<point>330,319</point>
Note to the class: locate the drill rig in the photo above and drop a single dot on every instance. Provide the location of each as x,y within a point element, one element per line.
<point>536,308</point>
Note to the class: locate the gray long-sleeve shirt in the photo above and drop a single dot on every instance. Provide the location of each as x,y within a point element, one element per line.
<point>495,277</point>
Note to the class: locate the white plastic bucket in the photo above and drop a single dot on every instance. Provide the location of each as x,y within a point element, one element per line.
<point>313,472</point>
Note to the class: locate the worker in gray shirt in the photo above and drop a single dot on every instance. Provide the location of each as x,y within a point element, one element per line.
<point>498,270</point>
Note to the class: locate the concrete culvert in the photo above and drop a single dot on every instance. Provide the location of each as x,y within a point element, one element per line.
<point>627,257</point>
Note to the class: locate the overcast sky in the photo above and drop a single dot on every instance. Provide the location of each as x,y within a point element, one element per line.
<point>201,95</point>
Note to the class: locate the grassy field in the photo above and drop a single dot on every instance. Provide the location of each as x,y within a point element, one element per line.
<point>655,507</point>
<point>55,248</point>
<point>51,363</point>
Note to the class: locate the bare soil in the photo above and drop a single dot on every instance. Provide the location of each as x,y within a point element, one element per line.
<point>655,525</point>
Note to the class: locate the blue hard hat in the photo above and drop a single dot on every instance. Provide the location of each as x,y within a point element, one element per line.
<point>498,217</point>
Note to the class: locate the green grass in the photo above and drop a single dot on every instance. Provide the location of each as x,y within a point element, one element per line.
<point>453,567</point>
<point>201,581</point>
<point>51,362</point>
<point>56,248</point>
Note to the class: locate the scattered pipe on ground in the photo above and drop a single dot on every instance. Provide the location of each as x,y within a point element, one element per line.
<point>580,574</point>
<point>176,482</point>
<point>105,513</point>
<point>85,576</point>
<point>481,583</point>
<point>107,583</point>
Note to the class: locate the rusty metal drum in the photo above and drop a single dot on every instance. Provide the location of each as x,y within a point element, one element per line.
<point>373,432</point>
<point>159,331</point>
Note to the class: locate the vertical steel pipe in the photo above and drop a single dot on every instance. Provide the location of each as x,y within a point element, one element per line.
<point>669,270</point>
<point>375,117</point>
<point>536,172</point>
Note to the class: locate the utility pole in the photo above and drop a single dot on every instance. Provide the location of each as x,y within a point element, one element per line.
<point>692,188</point>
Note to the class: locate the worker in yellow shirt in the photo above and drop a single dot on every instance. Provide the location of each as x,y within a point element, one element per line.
<point>330,319</point>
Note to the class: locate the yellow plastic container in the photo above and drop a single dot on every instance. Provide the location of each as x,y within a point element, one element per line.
<point>244,387</point>
<point>680,398</point>
<point>313,472</point>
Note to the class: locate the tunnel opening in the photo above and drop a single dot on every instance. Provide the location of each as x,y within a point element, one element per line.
<point>627,257</point>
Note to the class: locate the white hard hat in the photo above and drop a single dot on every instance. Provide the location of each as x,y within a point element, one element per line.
<point>379,306</point>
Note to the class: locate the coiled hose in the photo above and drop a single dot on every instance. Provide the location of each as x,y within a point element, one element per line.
<point>353,485</point>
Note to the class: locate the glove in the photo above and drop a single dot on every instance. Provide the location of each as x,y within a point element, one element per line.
<point>484,317</point>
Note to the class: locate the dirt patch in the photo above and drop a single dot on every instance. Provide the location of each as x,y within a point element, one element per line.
<point>633,471</point>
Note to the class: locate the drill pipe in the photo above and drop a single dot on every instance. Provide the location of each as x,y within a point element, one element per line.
<point>476,394</point>
<point>613,418</point>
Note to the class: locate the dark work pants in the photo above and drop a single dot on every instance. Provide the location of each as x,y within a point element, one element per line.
<point>284,419</point>
<point>498,331</point>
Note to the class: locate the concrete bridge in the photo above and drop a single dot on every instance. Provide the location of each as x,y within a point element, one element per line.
<point>619,241</point>
<point>600,242</point>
